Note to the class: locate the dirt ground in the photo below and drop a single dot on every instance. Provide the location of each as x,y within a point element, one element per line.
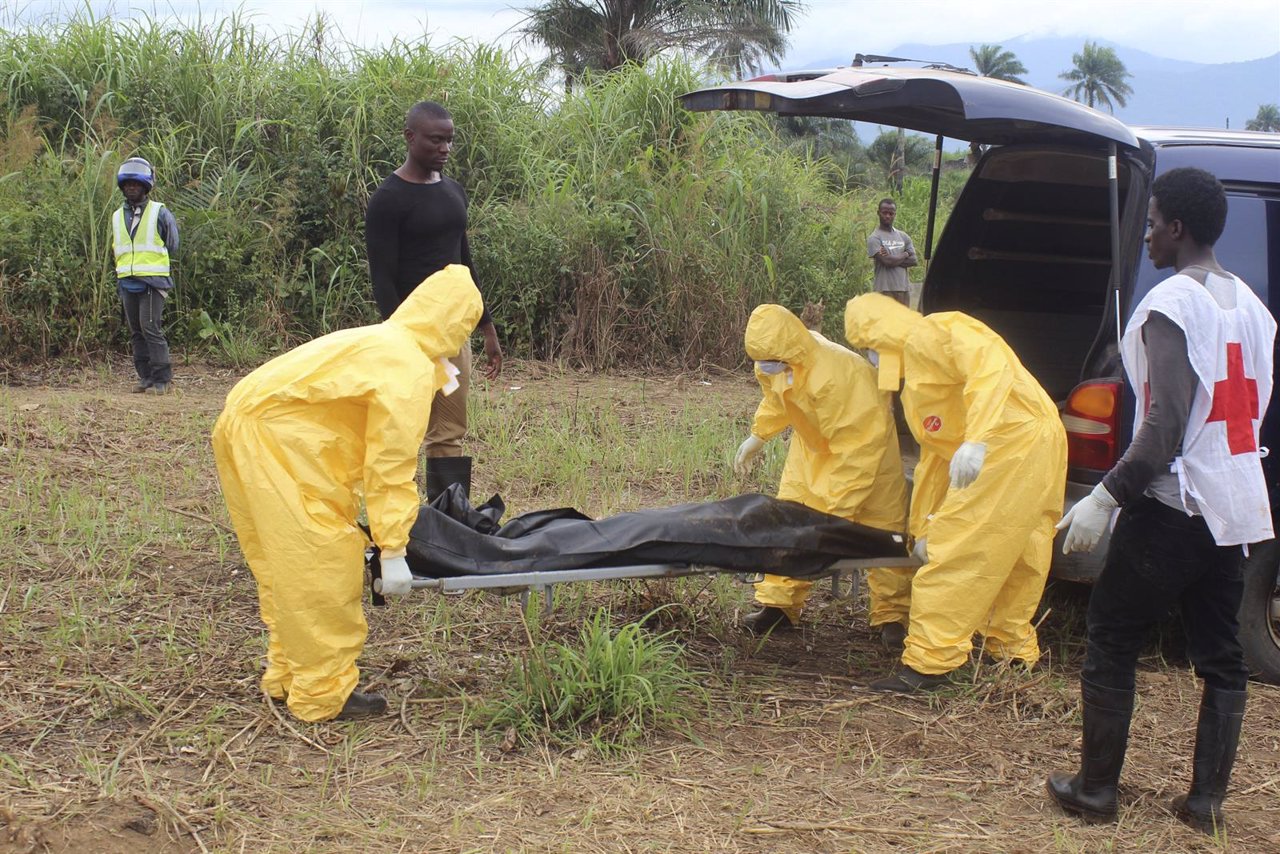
<point>130,719</point>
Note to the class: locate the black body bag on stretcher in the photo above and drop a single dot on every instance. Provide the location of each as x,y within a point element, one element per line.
<point>746,533</point>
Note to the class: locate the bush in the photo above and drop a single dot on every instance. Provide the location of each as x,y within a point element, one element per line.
<point>609,227</point>
<point>613,688</point>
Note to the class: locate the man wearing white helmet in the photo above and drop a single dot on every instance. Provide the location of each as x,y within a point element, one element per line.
<point>144,234</point>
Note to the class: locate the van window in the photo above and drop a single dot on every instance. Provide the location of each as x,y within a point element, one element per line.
<point>1243,248</point>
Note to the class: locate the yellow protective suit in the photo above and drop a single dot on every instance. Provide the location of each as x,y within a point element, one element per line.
<point>843,457</point>
<point>989,543</point>
<point>300,440</point>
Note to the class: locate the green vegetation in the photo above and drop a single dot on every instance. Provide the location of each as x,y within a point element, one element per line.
<point>608,227</point>
<point>1267,119</point>
<point>613,687</point>
<point>603,35</point>
<point>992,60</point>
<point>1098,77</point>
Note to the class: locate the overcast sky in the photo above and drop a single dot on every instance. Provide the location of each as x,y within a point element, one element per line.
<point>1196,30</point>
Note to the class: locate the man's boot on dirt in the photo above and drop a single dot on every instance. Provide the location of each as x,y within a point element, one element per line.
<point>362,706</point>
<point>442,472</point>
<point>1091,793</point>
<point>1217,737</point>
<point>767,619</point>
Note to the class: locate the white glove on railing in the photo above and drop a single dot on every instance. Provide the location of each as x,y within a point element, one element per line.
<point>1087,520</point>
<point>921,550</point>
<point>396,578</point>
<point>966,463</point>
<point>747,453</point>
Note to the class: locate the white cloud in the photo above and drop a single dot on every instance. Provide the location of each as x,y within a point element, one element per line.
<point>1226,31</point>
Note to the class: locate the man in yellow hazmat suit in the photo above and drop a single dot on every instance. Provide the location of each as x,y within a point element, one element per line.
<point>987,490</point>
<point>843,458</point>
<point>301,440</point>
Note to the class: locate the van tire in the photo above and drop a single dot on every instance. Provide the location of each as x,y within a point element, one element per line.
<point>1259,617</point>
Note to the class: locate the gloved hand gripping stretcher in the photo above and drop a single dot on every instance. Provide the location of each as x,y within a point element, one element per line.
<point>454,546</point>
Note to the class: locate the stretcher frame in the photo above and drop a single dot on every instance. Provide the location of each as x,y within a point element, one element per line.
<point>544,581</point>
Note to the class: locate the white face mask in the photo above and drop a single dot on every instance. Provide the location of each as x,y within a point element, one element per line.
<point>771,367</point>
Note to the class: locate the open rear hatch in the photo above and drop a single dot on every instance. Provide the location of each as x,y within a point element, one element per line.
<point>948,103</point>
<point>1030,243</point>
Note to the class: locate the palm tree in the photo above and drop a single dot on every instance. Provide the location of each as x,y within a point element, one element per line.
<point>1099,77</point>
<point>992,60</point>
<point>1268,119</point>
<point>601,35</point>
<point>896,154</point>
<point>831,140</point>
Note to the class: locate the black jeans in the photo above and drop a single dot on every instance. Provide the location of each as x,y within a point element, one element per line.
<point>1161,557</point>
<point>143,313</point>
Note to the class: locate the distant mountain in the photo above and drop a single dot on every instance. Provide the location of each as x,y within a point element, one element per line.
<point>1165,91</point>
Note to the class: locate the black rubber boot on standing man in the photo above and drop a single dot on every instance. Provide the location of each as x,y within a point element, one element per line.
<point>442,472</point>
<point>1217,737</point>
<point>1091,793</point>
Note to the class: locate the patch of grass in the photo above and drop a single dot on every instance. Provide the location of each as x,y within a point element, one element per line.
<point>612,688</point>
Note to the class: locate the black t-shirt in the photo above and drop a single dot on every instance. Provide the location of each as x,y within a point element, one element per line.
<point>411,231</point>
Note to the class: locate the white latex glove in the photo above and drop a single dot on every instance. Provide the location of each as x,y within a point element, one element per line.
<point>966,463</point>
<point>921,550</point>
<point>747,453</point>
<point>396,578</point>
<point>1087,520</point>
<point>452,371</point>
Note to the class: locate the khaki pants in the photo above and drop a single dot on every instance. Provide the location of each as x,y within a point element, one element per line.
<point>448,423</point>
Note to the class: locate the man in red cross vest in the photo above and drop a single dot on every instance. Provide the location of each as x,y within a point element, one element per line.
<point>1192,497</point>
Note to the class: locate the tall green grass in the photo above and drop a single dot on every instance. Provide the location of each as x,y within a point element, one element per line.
<point>609,227</point>
<point>612,688</point>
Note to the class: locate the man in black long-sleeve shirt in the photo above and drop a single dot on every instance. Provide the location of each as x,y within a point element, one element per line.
<point>1191,492</point>
<point>416,224</point>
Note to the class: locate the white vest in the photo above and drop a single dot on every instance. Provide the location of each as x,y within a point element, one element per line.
<point>1230,335</point>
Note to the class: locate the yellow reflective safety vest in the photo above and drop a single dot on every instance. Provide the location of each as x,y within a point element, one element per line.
<point>142,253</point>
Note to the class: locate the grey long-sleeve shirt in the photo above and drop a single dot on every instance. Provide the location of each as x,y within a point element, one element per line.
<point>1144,468</point>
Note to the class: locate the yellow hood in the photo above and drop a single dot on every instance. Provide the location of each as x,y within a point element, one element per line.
<point>441,312</point>
<point>773,333</point>
<point>881,323</point>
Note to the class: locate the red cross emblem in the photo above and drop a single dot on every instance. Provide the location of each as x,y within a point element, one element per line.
<point>1235,401</point>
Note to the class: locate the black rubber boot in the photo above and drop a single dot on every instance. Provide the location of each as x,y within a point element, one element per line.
<point>908,680</point>
<point>1091,793</point>
<point>767,619</point>
<point>442,472</point>
<point>894,637</point>
<point>1217,737</point>
<point>362,706</point>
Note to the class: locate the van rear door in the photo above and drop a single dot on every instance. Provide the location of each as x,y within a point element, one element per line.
<point>933,101</point>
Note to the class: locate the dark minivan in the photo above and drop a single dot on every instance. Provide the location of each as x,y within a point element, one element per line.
<point>1045,246</point>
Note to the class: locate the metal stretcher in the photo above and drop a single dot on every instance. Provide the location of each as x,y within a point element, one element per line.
<point>845,578</point>
<point>454,547</point>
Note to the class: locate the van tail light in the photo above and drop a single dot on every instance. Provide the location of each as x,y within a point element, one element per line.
<point>1091,417</point>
